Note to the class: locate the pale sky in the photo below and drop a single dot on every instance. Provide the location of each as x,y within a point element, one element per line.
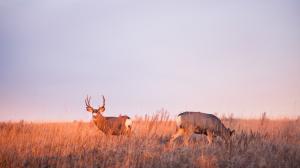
<point>240,57</point>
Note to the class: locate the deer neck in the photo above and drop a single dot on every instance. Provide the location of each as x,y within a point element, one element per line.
<point>102,123</point>
<point>99,118</point>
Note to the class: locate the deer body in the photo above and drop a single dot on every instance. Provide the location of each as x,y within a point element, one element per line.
<point>200,123</point>
<point>109,125</point>
<point>113,125</point>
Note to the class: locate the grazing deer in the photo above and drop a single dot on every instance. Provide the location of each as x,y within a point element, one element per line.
<point>109,125</point>
<point>201,123</point>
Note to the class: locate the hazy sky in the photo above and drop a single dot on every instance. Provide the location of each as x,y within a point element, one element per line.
<point>240,57</point>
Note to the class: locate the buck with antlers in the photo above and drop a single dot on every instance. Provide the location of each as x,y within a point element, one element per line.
<point>109,125</point>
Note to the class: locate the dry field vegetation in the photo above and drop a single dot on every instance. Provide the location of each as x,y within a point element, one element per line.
<point>257,143</point>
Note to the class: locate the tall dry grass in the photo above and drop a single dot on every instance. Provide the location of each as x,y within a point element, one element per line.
<point>257,143</point>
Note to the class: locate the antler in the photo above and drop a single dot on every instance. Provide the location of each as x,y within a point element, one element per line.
<point>102,108</point>
<point>103,100</point>
<point>88,105</point>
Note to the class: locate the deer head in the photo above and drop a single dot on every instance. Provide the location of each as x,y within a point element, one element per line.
<point>227,133</point>
<point>95,112</point>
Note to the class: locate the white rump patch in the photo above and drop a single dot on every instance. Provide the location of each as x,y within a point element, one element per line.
<point>178,121</point>
<point>128,123</point>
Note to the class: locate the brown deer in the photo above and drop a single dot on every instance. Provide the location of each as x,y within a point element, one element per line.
<point>189,123</point>
<point>109,125</point>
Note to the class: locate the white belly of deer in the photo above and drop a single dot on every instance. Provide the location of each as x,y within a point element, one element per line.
<point>128,123</point>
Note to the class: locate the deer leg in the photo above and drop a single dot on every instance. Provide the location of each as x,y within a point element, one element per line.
<point>128,133</point>
<point>178,133</point>
<point>187,137</point>
<point>210,137</point>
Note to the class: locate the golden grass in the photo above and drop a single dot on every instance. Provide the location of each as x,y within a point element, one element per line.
<point>257,143</point>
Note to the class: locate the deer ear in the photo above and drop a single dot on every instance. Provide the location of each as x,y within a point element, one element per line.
<point>101,109</point>
<point>89,109</point>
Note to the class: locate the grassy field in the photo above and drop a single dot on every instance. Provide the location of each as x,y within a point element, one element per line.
<point>257,143</point>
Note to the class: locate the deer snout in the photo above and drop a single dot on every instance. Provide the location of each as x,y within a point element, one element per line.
<point>95,114</point>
